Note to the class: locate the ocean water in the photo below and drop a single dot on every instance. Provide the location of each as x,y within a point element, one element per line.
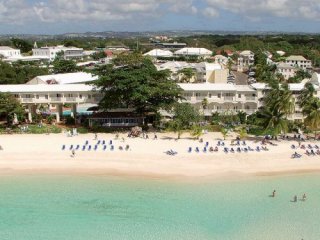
<point>52,207</point>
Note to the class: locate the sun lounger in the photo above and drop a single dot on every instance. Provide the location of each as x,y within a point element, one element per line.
<point>190,150</point>
<point>225,150</point>
<point>127,147</point>
<point>78,146</point>
<point>197,149</point>
<point>112,148</point>
<point>87,142</point>
<point>89,148</point>
<point>244,143</point>
<point>245,149</point>
<point>71,147</point>
<point>103,142</point>
<point>110,142</point>
<point>95,147</point>
<point>83,147</point>
<point>238,149</point>
<point>104,147</point>
<point>293,146</point>
<point>204,149</point>
<point>258,149</point>
<point>63,147</point>
<point>232,150</point>
<point>98,142</point>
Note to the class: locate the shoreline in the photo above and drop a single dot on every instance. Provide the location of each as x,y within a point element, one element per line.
<point>146,158</point>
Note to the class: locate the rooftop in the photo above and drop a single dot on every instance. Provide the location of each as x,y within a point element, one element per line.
<point>296,58</point>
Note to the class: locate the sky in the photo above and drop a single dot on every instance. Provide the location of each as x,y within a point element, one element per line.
<point>65,16</point>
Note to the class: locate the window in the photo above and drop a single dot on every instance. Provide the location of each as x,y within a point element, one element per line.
<point>198,94</point>
<point>210,95</point>
<point>80,96</point>
<point>239,95</point>
<point>219,95</point>
<point>46,96</point>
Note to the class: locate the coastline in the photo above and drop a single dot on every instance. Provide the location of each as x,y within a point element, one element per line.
<point>147,158</point>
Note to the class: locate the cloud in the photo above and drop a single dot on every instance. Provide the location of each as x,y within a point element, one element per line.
<point>19,11</point>
<point>253,9</point>
<point>14,11</point>
<point>210,12</point>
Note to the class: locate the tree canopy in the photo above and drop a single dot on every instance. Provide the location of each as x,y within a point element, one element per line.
<point>134,82</point>
<point>64,66</point>
<point>9,106</point>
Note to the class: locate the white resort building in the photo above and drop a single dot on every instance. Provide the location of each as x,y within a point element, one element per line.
<point>299,62</point>
<point>50,53</point>
<point>198,52</point>
<point>286,70</point>
<point>8,52</point>
<point>245,60</point>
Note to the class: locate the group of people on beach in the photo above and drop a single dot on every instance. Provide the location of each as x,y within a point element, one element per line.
<point>295,197</point>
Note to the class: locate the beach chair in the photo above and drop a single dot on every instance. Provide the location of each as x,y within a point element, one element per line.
<point>87,142</point>
<point>239,149</point>
<point>190,150</point>
<point>103,142</point>
<point>245,150</point>
<point>316,146</point>
<point>98,142</point>
<point>244,143</point>
<point>307,153</point>
<point>95,147</point>
<point>127,147</point>
<point>120,148</point>
<point>312,152</point>
<point>232,150</point>
<point>83,147</point>
<point>238,142</point>
<point>207,144</point>
<point>71,147</point>
<point>218,144</point>
<point>78,146</point>
<point>309,146</point>
<point>258,149</point>
<point>225,150</point>
<point>110,142</point>
<point>89,148</point>
<point>293,146</point>
<point>197,149</point>
<point>112,148</point>
<point>205,150</point>
<point>63,147</point>
<point>222,144</point>
<point>104,147</point>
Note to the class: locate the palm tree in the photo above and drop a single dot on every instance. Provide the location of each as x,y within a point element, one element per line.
<point>274,121</point>
<point>204,103</point>
<point>196,131</point>
<point>242,133</point>
<point>312,111</point>
<point>224,133</point>
<point>306,94</point>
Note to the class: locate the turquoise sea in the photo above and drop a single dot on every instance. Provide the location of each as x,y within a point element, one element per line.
<point>62,207</point>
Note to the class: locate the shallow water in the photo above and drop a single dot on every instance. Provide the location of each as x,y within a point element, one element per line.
<point>50,207</point>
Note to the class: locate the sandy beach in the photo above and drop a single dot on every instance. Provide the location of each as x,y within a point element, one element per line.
<point>148,157</point>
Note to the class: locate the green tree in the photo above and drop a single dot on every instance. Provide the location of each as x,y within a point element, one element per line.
<point>224,132</point>
<point>136,85</point>
<point>64,66</point>
<point>196,131</point>
<point>204,103</point>
<point>9,106</point>
<point>312,110</point>
<point>306,94</point>
<point>278,104</point>
<point>21,44</point>
<point>187,74</point>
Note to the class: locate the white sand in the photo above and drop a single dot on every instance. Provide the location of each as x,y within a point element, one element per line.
<point>147,157</point>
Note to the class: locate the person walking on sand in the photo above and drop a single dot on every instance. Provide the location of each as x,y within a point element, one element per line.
<point>95,136</point>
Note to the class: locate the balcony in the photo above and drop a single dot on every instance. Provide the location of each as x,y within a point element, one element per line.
<point>56,99</point>
<point>71,99</point>
<point>251,98</point>
<point>27,100</point>
<point>229,98</point>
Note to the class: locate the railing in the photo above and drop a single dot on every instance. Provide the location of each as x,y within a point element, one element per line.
<point>229,98</point>
<point>251,98</point>
<point>27,100</point>
<point>56,99</point>
<point>71,99</point>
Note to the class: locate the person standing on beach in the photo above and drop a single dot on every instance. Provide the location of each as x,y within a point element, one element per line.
<point>295,198</point>
<point>73,153</point>
<point>95,136</point>
<point>273,193</point>
<point>304,197</point>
